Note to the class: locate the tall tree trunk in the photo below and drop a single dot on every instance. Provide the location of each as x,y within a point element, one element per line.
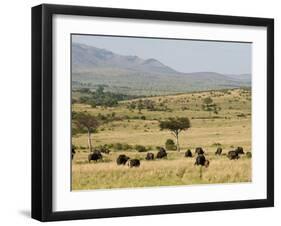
<point>89,140</point>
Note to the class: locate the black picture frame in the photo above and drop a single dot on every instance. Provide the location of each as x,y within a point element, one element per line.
<point>42,111</point>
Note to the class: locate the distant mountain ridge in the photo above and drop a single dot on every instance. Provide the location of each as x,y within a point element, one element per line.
<point>100,66</point>
<point>86,57</point>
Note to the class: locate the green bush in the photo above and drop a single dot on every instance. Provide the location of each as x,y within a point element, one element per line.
<point>127,147</point>
<point>120,146</point>
<point>170,145</point>
<point>140,148</point>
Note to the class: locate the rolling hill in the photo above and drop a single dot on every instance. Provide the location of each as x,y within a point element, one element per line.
<point>93,66</point>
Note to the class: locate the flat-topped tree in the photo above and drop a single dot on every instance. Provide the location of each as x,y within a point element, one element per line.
<point>208,101</point>
<point>84,120</point>
<point>175,125</point>
<point>209,105</point>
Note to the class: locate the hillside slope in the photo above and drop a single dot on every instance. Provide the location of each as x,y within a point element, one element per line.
<point>92,66</point>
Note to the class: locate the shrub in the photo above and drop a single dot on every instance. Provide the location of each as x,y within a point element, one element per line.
<point>242,115</point>
<point>127,147</point>
<point>170,145</point>
<point>140,148</point>
<point>118,146</point>
<point>149,148</point>
<point>93,104</point>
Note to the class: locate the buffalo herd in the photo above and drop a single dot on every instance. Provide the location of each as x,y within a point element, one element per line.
<point>200,159</point>
<point>235,153</point>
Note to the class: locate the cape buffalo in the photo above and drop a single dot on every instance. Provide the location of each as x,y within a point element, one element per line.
<point>95,156</point>
<point>233,155</point>
<point>219,151</point>
<point>133,163</point>
<point>239,150</point>
<point>202,161</point>
<point>199,151</point>
<point>72,153</point>
<point>149,156</point>
<point>161,153</point>
<point>122,159</point>
<point>188,153</point>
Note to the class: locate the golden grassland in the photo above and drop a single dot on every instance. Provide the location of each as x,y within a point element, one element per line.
<point>175,170</point>
<point>231,127</point>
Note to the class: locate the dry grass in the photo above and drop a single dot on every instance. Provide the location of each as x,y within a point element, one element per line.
<point>176,170</point>
<point>229,130</point>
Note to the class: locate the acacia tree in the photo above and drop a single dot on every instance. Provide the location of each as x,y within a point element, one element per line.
<point>207,101</point>
<point>84,120</point>
<point>140,105</point>
<point>208,105</point>
<point>175,125</point>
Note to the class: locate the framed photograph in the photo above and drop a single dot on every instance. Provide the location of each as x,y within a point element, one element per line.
<point>145,112</point>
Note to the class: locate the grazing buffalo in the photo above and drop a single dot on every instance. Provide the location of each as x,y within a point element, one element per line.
<point>133,163</point>
<point>199,151</point>
<point>149,156</point>
<point>233,155</point>
<point>122,159</point>
<point>188,154</point>
<point>239,150</point>
<point>219,151</point>
<point>202,161</point>
<point>249,154</point>
<point>95,156</point>
<point>161,153</point>
<point>73,152</point>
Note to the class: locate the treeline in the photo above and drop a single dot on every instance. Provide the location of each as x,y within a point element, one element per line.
<point>147,104</point>
<point>101,98</point>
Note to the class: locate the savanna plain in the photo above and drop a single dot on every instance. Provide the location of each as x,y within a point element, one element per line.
<point>218,118</point>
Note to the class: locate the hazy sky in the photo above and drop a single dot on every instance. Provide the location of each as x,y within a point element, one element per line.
<point>181,55</point>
